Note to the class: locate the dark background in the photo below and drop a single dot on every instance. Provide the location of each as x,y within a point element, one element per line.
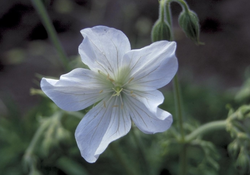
<point>25,49</point>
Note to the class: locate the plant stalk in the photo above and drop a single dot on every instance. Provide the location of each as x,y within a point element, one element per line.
<point>51,31</point>
<point>206,128</point>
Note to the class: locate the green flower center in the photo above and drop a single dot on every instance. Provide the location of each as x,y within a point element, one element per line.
<point>117,90</point>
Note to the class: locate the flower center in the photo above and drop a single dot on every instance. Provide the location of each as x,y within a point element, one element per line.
<point>117,86</point>
<point>117,90</point>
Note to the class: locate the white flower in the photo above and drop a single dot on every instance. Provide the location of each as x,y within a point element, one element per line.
<point>123,83</point>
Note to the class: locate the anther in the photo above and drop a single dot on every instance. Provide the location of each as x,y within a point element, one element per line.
<point>110,79</point>
<point>133,95</point>
<point>101,91</point>
<point>131,79</point>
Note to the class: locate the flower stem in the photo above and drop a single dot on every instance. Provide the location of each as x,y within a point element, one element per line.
<point>169,19</point>
<point>162,11</point>
<point>183,4</point>
<point>183,159</point>
<point>120,157</point>
<point>178,107</point>
<point>51,31</point>
<point>39,133</point>
<point>206,128</point>
<point>177,97</point>
<point>141,152</point>
<point>29,151</point>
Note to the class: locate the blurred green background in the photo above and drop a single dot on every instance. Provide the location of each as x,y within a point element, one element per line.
<point>210,74</point>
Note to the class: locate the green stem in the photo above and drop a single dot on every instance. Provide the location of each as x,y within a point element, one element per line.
<point>169,18</point>
<point>183,159</point>
<point>184,5</point>
<point>36,138</point>
<point>162,11</point>
<point>48,121</point>
<point>70,166</point>
<point>120,157</point>
<point>178,107</point>
<point>51,31</point>
<point>142,153</point>
<point>177,95</point>
<point>76,114</point>
<point>206,128</point>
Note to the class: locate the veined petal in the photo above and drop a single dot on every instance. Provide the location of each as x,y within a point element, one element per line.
<point>151,99</point>
<point>103,124</point>
<point>103,48</point>
<point>153,66</point>
<point>75,90</point>
<point>147,121</point>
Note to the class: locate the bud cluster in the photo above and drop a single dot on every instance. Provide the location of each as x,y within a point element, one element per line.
<point>188,21</point>
<point>161,29</point>
<point>239,149</point>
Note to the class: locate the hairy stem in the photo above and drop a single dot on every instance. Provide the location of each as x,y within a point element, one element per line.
<point>141,153</point>
<point>51,31</point>
<point>120,157</point>
<point>178,107</point>
<point>177,97</point>
<point>206,128</point>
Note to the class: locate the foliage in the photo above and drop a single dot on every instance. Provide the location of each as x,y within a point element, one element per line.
<point>42,140</point>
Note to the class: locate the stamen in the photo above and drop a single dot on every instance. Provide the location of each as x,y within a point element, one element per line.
<point>131,79</point>
<point>110,79</point>
<point>104,104</point>
<point>121,102</point>
<point>117,91</point>
<point>132,94</point>
<point>101,91</point>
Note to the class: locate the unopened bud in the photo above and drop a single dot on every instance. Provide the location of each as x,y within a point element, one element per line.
<point>234,149</point>
<point>160,31</point>
<point>62,134</point>
<point>189,22</point>
<point>242,164</point>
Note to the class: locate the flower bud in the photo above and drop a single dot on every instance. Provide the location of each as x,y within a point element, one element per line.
<point>242,164</point>
<point>160,31</point>
<point>234,149</point>
<point>189,23</point>
<point>62,134</point>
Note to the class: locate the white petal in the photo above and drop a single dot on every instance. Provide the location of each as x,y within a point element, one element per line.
<point>152,67</point>
<point>99,127</point>
<point>75,90</point>
<point>147,121</point>
<point>151,99</point>
<point>103,48</point>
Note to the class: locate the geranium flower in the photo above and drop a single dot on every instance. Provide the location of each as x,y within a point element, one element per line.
<point>121,82</point>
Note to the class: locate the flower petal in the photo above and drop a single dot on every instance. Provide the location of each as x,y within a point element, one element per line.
<point>151,99</point>
<point>147,121</point>
<point>75,90</point>
<point>153,66</point>
<point>100,126</point>
<point>103,48</point>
